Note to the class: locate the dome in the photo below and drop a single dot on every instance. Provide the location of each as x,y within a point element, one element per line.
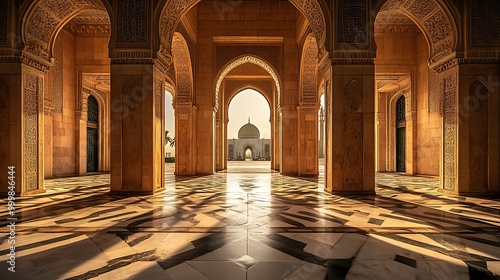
<point>249,131</point>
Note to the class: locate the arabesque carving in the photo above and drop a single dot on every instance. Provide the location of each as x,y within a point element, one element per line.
<point>241,61</point>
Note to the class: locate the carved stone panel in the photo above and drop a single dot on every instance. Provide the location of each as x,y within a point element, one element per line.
<point>450,129</point>
<point>4,21</point>
<point>485,22</point>
<point>132,26</point>
<point>309,69</point>
<point>57,77</point>
<point>158,98</point>
<point>31,110</point>
<point>352,21</point>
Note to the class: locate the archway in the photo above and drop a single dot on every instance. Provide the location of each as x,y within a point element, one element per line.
<point>249,155</point>
<point>415,40</point>
<point>185,112</point>
<point>169,137</point>
<point>67,50</point>
<point>248,128</point>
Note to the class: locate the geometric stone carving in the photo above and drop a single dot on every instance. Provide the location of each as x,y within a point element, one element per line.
<point>57,76</point>
<point>158,98</point>
<point>132,21</point>
<point>183,71</point>
<point>241,61</point>
<point>351,22</point>
<point>31,104</point>
<point>4,21</point>
<point>309,66</point>
<point>484,25</point>
<point>450,120</point>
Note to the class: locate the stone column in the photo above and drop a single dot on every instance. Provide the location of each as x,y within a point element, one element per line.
<point>136,127</point>
<point>352,166</point>
<point>185,150</point>
<point>22,135</point>
<point>308,140</point>
<point>289,141</point>
<point>471,128</point>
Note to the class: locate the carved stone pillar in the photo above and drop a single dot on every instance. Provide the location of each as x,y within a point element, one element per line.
<point>185,150</point>
<point>308,140</point>
<point>136,127</point>
<point>352,165</point>
<point>22,136</point>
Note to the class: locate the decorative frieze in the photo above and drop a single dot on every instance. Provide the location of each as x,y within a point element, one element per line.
<point>90,29</point>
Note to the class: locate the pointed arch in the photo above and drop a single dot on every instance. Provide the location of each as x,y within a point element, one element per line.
<point>170,12</point>
<point>45,18</point>
<point>243,60</point>
<point>435,20</point>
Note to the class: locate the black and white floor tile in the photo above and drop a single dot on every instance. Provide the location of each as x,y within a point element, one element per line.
<point>253,226</point>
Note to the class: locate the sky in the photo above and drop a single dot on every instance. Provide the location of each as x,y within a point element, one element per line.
<point>249,104</point>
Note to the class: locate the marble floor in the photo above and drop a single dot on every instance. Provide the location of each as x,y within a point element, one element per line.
<point>258,225</point>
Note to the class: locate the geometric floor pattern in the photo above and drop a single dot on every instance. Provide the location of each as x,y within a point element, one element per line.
<point>256,225</point>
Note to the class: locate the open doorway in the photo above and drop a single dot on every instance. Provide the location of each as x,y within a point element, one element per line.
<point>249,133</point>
<point>169,131</point>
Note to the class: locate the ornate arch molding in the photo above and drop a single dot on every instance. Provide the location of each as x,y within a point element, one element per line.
<point>435,20</point>
<point>243,60</point>
<point>45,18</point>
<point>170,12</point>
<point>309,71</point>
<point>183,71</point>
